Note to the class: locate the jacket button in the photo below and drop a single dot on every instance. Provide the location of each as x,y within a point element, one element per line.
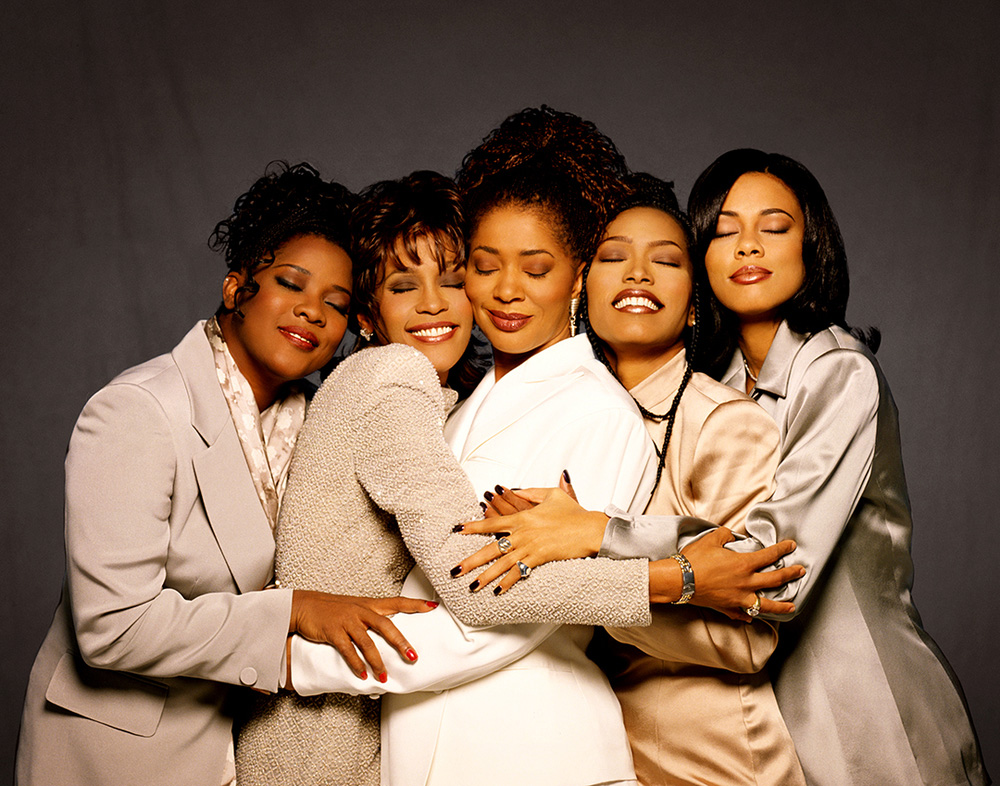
<point>249,676</point>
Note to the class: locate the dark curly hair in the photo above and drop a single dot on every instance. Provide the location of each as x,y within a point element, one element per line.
<point>822,299</point>
<point>389,213</point>
<point>285,203</point>
<point>645,190</point>
<point>550,160</point>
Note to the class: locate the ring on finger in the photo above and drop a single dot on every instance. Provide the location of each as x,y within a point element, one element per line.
<point>525,570</point>
<point>504,545</point>
<point>754,610</point>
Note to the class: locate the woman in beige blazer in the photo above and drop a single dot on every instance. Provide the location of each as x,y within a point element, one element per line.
<point>170,506</point>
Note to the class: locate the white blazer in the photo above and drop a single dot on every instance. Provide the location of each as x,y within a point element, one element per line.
<point>551,716</point>
<point>560,721</point>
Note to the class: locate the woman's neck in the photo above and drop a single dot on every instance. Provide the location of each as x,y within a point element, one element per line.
<point>632,367</point>
<point>265,391</point>
<point>755,341</point>
<point>504,363</point>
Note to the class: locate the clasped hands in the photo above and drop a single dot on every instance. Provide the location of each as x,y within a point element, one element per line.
<point>544,525</point>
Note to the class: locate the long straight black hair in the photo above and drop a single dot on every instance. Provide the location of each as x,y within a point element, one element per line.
<point>822,299</point>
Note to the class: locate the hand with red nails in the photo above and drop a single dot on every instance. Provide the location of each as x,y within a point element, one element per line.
<point>344,621</point>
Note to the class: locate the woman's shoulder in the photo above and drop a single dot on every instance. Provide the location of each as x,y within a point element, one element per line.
<point>707,399</point>
<point>832,360</point>
<point>371,370</point>
<point>598,389</point>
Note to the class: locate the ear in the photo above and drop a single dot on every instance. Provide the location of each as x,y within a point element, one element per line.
<point>230,284</point>
<point>691,316</point>
<point>578,281</point>
<point>367,323</point>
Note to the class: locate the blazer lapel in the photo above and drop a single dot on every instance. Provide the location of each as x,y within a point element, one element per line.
<point>234,511</point>
<point>516,394</point>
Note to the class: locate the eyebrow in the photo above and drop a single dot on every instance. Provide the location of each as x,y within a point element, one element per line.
<point>769,212</point>
<point>528,252</point>
<point>655,243</point>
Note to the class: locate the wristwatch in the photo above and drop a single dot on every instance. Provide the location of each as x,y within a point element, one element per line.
<point>687,577</point>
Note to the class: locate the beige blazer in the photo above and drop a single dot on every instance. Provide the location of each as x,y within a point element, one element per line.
<point>696,705</point>
<point>166,545</point>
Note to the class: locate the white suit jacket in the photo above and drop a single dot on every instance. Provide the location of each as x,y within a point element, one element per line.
<point>559,410</point>
<point>552,712</point>
<point>166,542</point>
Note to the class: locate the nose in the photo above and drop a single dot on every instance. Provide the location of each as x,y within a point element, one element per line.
<point>508,286</point>
<point>637,271</point>
<point>310,308</point>
<point>749,245</point>
<point>433,301</point>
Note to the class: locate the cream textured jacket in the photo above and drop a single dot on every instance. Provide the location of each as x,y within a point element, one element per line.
<point>373,476</point>
<point>166,543</point>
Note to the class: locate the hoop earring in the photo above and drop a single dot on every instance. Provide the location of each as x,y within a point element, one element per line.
<point>574,304</point>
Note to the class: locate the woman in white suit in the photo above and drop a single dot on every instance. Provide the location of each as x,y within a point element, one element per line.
<point>173,477</point>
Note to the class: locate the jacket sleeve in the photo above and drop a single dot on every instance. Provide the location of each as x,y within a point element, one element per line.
<point>826,461</point>
<point>733,468</point>
<point>411,473</point>
<point>120,471</point>
<point>451,654</point>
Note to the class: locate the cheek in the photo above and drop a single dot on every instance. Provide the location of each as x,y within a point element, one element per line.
<point>477,288</point>
<point>460,307</point>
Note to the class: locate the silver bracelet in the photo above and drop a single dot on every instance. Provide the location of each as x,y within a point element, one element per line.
<point>687,577</point>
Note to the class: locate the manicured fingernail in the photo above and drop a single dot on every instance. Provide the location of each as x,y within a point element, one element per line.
<point>456,570</point>
<point>474,586</point>
<point>458,528</point>
<point>432,603</point>
<point>363,675</point>
<point>498,488</point>
<point>411,654</point>
<point>488,495</point>
<point>497,590</point>
<point>566,475</point>
<point>383,677</point>
<point>483,506</point>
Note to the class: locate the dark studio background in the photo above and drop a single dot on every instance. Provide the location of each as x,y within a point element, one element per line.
<point>129,128</point>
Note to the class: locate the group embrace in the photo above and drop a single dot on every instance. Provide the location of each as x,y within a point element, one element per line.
<point>567,568</point>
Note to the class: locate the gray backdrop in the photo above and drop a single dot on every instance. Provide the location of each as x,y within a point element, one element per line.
<point>129,128</point>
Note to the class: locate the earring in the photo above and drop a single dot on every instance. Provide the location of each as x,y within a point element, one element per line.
<point>574,304</point>
<point>366,334</point>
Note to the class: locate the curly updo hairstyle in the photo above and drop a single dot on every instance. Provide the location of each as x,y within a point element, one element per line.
<point>645,190</point>
<point>397,213</point>
<point>822,299</point>
<point>285,203</point>
<point>553,161</point>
